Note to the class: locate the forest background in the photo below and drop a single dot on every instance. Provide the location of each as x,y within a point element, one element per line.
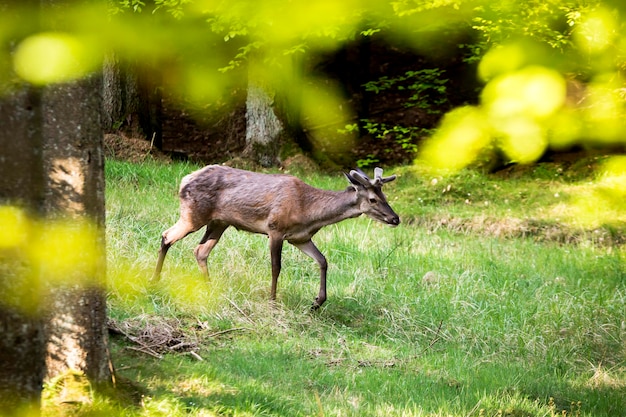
<point>370,83</point>
<point>357,82</point>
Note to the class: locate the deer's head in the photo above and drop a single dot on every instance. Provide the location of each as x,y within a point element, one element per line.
<point>370,196</point>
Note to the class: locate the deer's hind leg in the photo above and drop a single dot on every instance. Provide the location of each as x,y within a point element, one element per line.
<point>212,235</point>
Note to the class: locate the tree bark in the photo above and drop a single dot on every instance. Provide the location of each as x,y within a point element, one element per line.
<point>119,93</point>
<point>132,100</point>
<point>51,165</point>
<point>52,168</point>
<point>74,191</point>
<point>73,163</point>
<point>22,345</point>
<point>263,128</point>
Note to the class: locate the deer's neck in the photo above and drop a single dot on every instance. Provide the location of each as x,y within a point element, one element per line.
<point>334,206</point>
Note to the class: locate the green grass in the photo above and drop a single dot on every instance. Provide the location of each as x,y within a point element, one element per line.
<point>454,313</point>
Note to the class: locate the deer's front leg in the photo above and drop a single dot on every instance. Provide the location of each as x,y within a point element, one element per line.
<point>162,252</point>
<point>311,250</point>
<point>276,249</point>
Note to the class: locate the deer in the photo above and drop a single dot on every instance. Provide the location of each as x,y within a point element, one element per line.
<point>280,206</point>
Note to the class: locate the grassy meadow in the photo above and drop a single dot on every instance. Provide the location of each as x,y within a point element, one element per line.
<point>488,300</point>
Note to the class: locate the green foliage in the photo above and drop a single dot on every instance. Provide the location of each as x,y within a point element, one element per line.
<point>405,136</point>
<point>176,8</point>
<point>203,45</point>
<point>428,91</point>
<point>369,161</point>
<point>122,5</point>
<point>549,22</point>
<point>427,86</point>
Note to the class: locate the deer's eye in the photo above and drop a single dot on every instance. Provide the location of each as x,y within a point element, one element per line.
<point>373,201</point>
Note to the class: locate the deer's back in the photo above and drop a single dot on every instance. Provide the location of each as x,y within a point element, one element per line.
<point>247,200</point>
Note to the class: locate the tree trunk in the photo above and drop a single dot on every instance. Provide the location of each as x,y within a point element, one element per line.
<point>51,165</point>
<point>73,162</point>
<point>263,128</point>
<point>119,95</point>
<point>74,168</point>
<point>22,345</point>
<point>132,100</point>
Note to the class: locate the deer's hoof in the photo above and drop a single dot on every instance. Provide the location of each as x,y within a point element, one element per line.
<point>316,304</point>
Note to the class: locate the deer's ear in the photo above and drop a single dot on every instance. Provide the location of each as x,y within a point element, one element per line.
<point>353,183</point>
<point>359,178</point>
